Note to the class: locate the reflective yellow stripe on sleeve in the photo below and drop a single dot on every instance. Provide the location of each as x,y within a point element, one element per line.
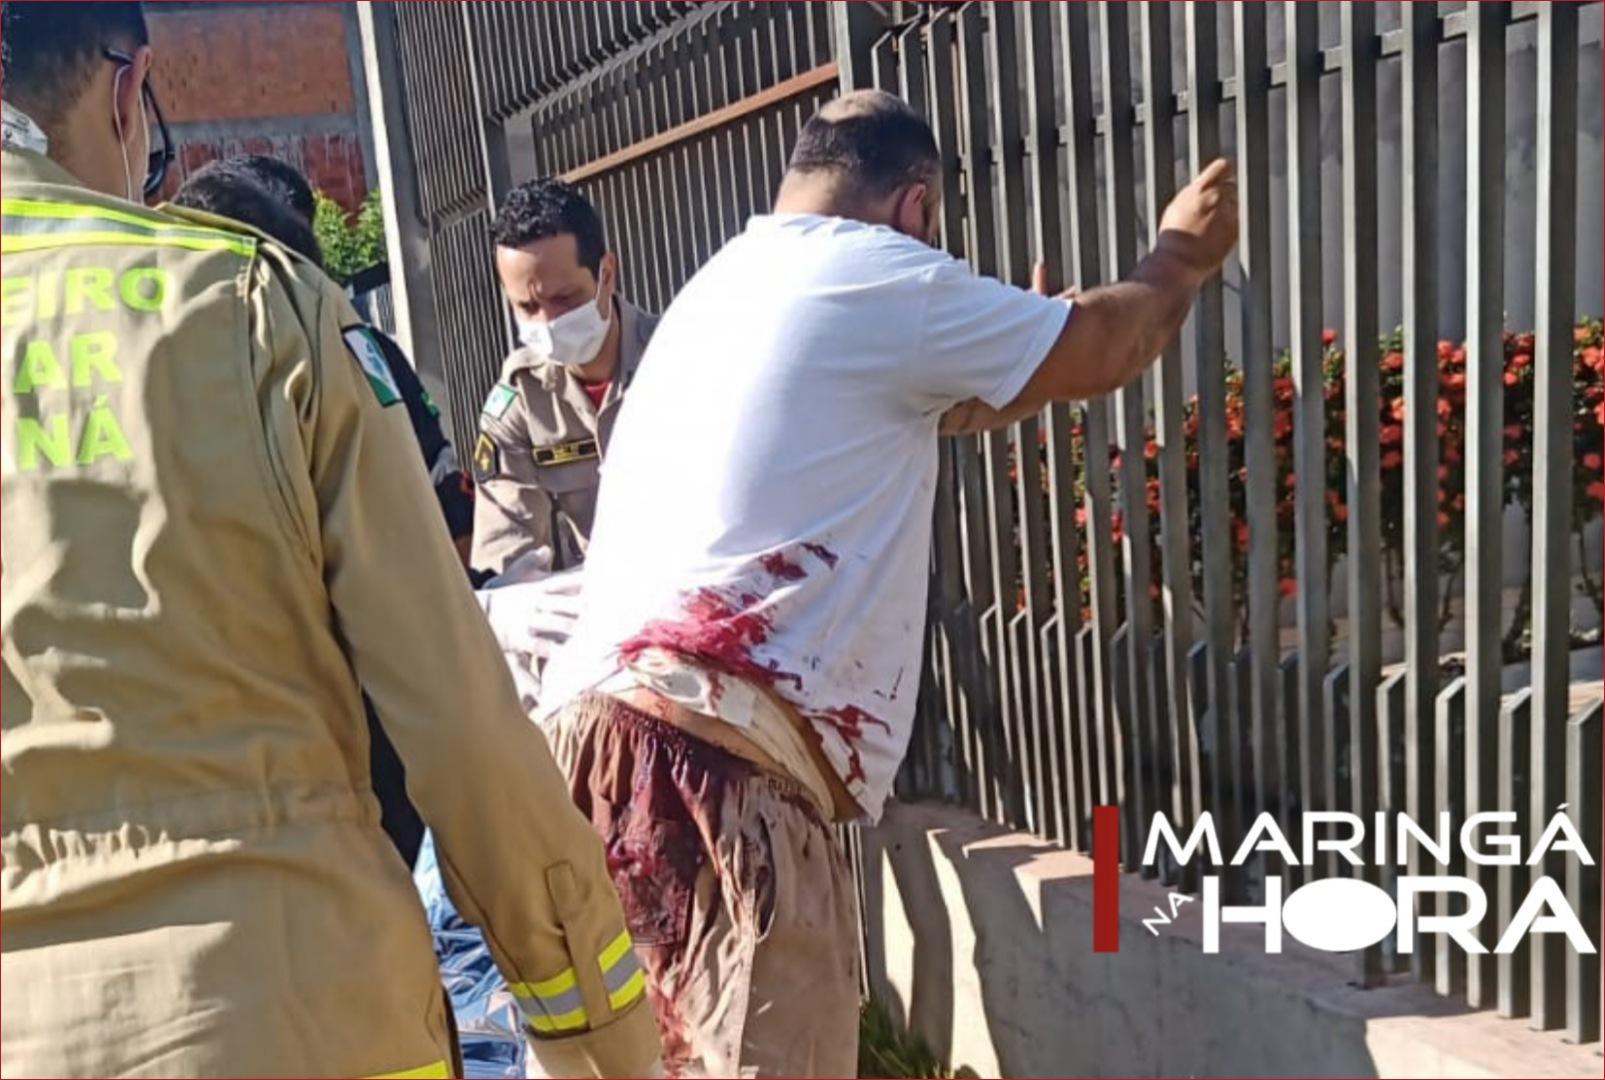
<point>553,1004</point>
<point>423,1072</point>
<point>621,972</point>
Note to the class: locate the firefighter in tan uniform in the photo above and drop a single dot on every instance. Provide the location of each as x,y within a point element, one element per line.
<point>205,472</point>
<point>545,425</point>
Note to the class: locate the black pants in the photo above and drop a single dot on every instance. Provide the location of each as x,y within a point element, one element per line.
<point>396,813</point>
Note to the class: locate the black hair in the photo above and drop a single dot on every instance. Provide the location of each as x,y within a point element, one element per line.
<point>278,178</point>
<point>225,190</point>
<point>537,209</point>
<point>874,141</point>
<point>48,52</point>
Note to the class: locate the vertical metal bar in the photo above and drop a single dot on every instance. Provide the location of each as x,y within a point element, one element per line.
<point>1584,748</point>
<point>1026,627</point>
<point>1002,750</point>
<point>1159,146</point>
<point>1419,149</point>
<point>1027,526</point>
<point>1095,414</point>
<point>1514,969</point>
<point>635,197</point>
<point>766,153</point>
<point>659,237</point>
<point>1362,408</point>
<point>1309,386</point>
<point>1203,123</point>
<point>1131,414</point>
<point>1485,368</point>
<point>1391,789</point>
<point>1047,243</point>
<point>855,28</point>
<point>1552,447</point>
<point>1259,406</point>
<point>1450,966</point>
<point>966,457</point>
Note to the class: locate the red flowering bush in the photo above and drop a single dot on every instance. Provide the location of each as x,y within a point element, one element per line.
<point>1588,495</point>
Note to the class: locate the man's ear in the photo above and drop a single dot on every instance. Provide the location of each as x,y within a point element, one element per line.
<point>909,213</point>
<point>607,284</point>
<point>128,95</point>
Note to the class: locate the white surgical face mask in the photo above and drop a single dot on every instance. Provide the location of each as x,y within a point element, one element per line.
<point>572,339</point>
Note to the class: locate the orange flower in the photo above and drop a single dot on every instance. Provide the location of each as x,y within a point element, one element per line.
<point>1340,513</point>
<point>1393,361</point>
<point>1287,586</point>
<point>1521,361</point>
<point>1592,462</point>
<point>1443,520</point>
<point>1445,350</point>
<point>1392,459</point>
<point>1454,381</point>
<point>1443,472</point>
<point>1445,410</point>
<point>1459,503</point>
<point>1392,434</point>
<point>1512,457</point>
<point>1513,431</point>
<point>1328,336</point>
<point>1396,410</point>
<point>1597,490</point>
<point>1511,378</point>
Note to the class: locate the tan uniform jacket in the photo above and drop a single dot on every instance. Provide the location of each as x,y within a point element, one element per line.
<point>540,446</point>
<point>215,529</point>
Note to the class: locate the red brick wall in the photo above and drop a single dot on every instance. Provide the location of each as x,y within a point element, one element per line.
<point>260,79</point>
<point>333,163</point>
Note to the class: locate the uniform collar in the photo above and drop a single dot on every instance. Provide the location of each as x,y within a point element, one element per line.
<point>18,129</point>
<point>23,166</point>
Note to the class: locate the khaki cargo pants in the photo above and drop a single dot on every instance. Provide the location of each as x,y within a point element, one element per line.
<point>735,891</point>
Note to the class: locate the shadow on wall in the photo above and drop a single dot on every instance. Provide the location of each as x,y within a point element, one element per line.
<point>980,940</point>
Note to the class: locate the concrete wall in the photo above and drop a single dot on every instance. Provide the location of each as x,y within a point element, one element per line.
<point>277,79</point>
<point>982,941</point>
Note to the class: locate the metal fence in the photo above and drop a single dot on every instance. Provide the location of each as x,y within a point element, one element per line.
<point>1162,633</point>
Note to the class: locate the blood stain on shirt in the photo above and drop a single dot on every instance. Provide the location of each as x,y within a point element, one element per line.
<point>849,721</point>
<point>719,628</point>
<point>823,554</point>
<point>777,566</point>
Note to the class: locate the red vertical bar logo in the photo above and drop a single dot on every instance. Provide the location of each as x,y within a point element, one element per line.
<point>1106,879</point>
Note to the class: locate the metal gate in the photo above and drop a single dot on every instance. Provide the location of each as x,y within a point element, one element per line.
<point>1163,633</point>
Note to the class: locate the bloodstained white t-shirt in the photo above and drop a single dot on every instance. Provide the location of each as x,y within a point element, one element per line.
<point>767,494</point>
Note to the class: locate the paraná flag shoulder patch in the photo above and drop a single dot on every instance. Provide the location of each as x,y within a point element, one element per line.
<point>371,358</point>
<point>500,400</point>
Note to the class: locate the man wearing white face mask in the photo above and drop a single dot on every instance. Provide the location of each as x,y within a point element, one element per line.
<point>545,426</point>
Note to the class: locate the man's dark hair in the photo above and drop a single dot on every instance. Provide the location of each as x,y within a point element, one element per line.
<point>227,190</point>
<point>48,52</point>
<point>537,209</point>
<point>278,178</point>
<point>873,141</point>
